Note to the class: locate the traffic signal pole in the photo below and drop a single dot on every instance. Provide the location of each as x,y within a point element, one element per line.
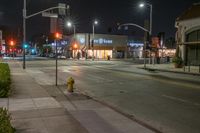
<point>24,34</point>
<point>56,63</point>
<point>24,25</point>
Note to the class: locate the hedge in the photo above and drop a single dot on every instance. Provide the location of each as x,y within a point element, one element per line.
<point>5,125</point>
<point>5,80</point>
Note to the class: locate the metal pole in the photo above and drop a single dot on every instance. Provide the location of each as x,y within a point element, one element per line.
<point>56,64</point>
<point>24,34</point>
<point>13,52</point>
<point>74,40</point>
<point>93,43</point>
<point>86,44</point>
<point>74,31</point>
<point>150,31</point>
<point>151,18</point>
<point>145,54</point>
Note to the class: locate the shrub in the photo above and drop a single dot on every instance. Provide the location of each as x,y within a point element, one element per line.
<point>5,125</point>
<point>177,60</point>
<point>4,80</point>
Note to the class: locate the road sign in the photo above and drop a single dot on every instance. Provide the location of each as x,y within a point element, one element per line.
<point>62,8</point>
<point>51,15</point>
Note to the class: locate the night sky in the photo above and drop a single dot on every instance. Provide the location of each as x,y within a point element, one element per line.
<point>108,12</point>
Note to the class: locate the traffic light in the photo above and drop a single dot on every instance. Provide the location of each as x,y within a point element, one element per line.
<point>58,35</point>
<point>11,43</point>
<point>75,46</point>
<point>25,46</point>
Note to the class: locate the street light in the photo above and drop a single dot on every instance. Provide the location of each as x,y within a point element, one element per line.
<point>94,23</point>
<point>69,24</point>
<point>141,5</point>
<point>142,28</point>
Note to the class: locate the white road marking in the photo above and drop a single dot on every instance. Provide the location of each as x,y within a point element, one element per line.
<point>180,100</point>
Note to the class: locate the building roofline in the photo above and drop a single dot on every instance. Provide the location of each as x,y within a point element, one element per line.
<point>187,15</point>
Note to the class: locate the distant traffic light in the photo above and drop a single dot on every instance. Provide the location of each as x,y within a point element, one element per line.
<point>58,35</point>
<point>25,46</point>
<point>11,43</point>
<point>75,46</point>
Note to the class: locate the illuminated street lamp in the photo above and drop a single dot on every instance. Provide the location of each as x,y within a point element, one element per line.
<point>69,24</point>
<point>94,23</point>
<point>141,5</point>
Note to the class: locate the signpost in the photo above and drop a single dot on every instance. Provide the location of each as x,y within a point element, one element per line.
<point>50,15</point>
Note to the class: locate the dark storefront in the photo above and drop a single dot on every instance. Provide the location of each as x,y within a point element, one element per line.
<point>193,48</point>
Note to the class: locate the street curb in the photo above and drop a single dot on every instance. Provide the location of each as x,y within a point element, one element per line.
<point>163,70</point>
<point>131,117</point>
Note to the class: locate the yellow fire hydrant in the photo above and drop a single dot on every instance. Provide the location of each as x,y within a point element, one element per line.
<point>70,84</point>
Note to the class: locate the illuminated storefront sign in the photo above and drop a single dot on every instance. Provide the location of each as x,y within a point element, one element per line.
<point>97,41</point>
<point>103,41</point>
<point>82,40</point>
<point>60,43</point>
<point>134,44</point>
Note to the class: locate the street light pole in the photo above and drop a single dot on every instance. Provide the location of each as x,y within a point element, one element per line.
<point>75,52</point>
<point>74,31</point>
<point>151,18</point>
<point>24,34</point>
<point>151,21</point>
<point>142,28</point>
<point>150,29</point>
<point>93,42</point>
<point>70,24</point>
<point>94,23</point>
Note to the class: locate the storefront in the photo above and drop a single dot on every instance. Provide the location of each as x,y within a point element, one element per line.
<point>188,35</point>
<point>103,46</point>
<point>135,49</point>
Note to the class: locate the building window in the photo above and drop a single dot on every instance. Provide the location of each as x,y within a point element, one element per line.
<point>193,36</point>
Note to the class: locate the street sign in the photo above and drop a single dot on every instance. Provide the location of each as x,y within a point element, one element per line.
<point>51,15</point>
<point>62,8</point>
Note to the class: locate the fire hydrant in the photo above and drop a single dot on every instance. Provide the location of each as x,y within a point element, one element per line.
<point>70,84</point>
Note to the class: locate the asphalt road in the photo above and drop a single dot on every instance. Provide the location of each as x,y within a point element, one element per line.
<point>168,102</point>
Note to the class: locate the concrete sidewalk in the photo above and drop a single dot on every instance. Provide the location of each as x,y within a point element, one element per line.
<point>49,109</point>
<point>193,70</point>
